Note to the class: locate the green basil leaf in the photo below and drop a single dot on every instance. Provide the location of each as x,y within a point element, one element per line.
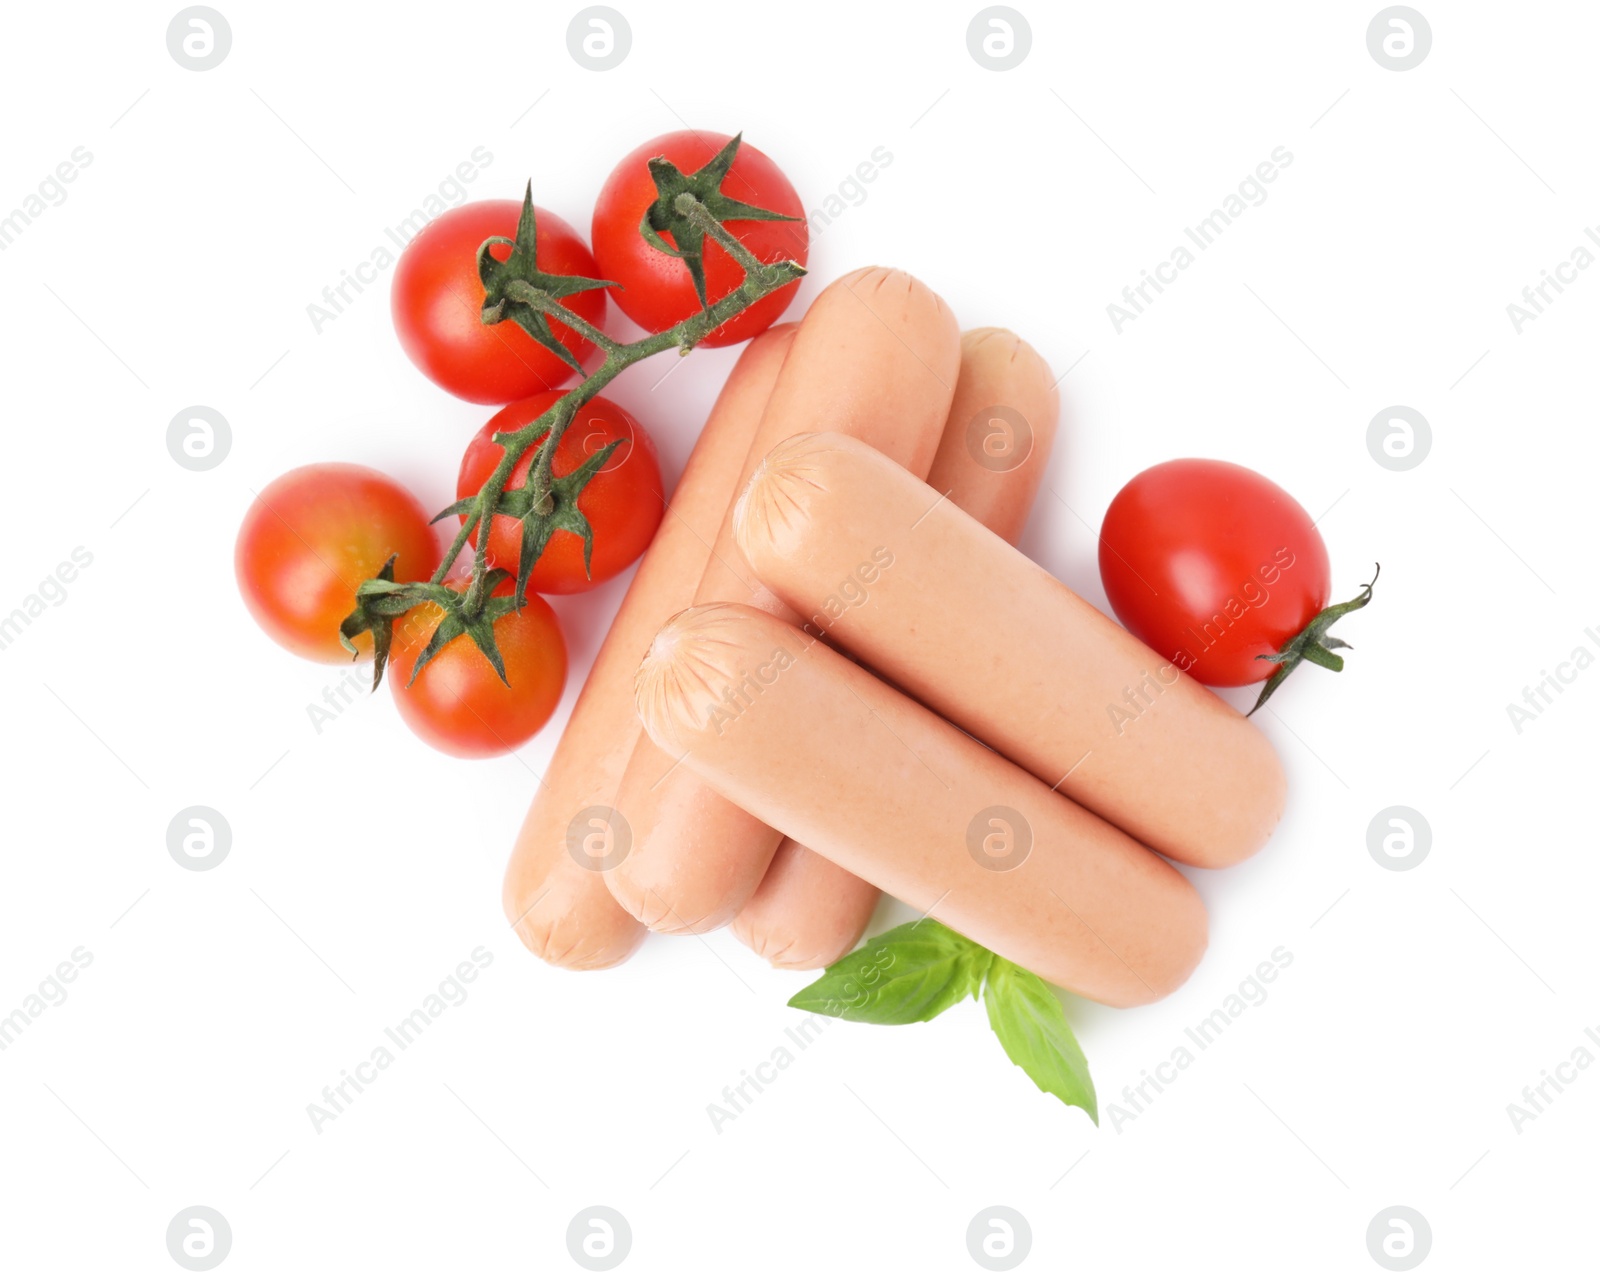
<point>908,974</point>
<point>1027,1018</point>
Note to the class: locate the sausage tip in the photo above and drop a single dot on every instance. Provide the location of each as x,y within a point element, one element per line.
<point>774,502</point>
<point>694,669</point>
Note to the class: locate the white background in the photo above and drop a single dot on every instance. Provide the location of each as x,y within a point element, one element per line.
<point>364,868</point>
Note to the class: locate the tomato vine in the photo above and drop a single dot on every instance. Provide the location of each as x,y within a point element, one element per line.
<point>691,208</point>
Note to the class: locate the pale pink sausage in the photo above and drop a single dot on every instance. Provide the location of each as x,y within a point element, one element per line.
<point>1000,432</point>
<point>991,458</point>
<point>876,356</point>
<point>977,631</point>
<point>562,909</point>
<point>807,911</point>
<point>813,744</point>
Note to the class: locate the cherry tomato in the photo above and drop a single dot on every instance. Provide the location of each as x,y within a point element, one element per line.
<point>458,704</point>
<point>312,537</point>
<point>437,301</point>
<point>1211,565</point>
<point>658,290</point>
<point>623,502</point>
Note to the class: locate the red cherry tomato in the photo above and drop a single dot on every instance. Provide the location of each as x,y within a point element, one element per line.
<point>312,537</point>
<point>623,502</point>
<point>458,704</point>
<point>437,301</point>
<point>658,290</point>
<point>1212,565</point>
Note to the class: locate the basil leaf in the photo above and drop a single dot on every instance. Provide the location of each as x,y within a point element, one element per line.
<point>1027,1018</point>
<point>910,973</point>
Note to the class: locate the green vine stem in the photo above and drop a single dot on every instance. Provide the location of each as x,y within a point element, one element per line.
<point>517,290</point>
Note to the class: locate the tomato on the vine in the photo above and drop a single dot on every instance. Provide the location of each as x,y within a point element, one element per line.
<point>1213,565</point>
<point>312,537</point>
<point>458,704</point>
<point>623,502</point>
<point>437,302</point>
<point>657,289</point>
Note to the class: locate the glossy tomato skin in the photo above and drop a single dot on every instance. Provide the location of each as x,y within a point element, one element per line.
<point>1211,564</point>
<point>312,537</point>
<point>458,705</point>
<point>623,502</point>
<point>657,289</point>
<point>437,301</point>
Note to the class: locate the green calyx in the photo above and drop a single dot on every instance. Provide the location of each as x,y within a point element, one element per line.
<point>380,602</point>
<point>543,505</point>
<point>517,290</point>
<point>1314,644</point>
<point>476,623</point>
<point>377,605</point>
<point>683,218</point>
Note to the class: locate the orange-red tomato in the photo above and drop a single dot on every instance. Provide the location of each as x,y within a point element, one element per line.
<point>623,502</point>
<point>458,704</point>
<point>312,537</point>
<point>657,289</point>
<point>437,302</point>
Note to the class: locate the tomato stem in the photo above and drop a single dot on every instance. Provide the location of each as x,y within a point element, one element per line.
<point>691,208</point>
<point>539,299</point>
<point>1314,644</point>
